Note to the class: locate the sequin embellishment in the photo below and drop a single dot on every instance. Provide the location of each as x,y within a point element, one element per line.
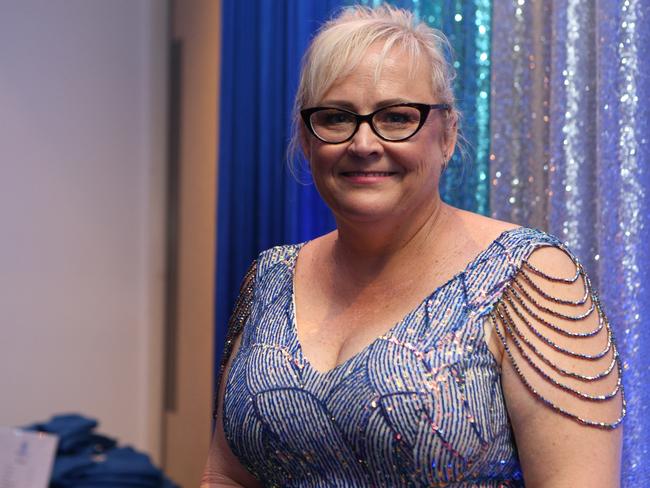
<point>420,406</point>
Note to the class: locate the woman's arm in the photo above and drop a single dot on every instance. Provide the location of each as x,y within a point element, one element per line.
<point>557,452</point>
<point>223,469</point>
<point>559,375</point>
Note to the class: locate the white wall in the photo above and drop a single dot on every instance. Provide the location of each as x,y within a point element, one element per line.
<point>82,129</point>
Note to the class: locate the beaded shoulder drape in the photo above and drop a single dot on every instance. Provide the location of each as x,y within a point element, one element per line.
<point>422,405</point>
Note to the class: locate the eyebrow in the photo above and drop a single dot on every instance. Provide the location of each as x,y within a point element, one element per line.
<point>350,106</point>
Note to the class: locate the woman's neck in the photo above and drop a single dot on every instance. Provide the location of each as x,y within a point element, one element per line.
<point>366,251</point>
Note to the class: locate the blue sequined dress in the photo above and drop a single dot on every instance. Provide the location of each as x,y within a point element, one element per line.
<point>422,405</point>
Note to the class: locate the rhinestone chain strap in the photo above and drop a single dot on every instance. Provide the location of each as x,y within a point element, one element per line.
<point>519,307</point>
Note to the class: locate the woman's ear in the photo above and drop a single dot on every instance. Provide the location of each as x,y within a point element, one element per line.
<point>451,134</point>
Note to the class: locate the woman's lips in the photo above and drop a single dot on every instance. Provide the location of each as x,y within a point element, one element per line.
<point>367,177</point>
<point>367,173</point>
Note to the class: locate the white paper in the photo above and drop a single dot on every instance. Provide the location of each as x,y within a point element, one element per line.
<point>26,458</point>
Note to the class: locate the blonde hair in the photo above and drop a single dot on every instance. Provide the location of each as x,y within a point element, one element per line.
<point>340,44</point>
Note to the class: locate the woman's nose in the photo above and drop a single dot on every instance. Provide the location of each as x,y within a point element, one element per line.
<point>365,142</point>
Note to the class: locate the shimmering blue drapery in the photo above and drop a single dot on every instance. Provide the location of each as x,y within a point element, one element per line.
<point>260,203</point>
<point>571,151</point>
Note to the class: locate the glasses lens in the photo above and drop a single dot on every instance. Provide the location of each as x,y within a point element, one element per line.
<point>395,123</point>
<point>333,125</point>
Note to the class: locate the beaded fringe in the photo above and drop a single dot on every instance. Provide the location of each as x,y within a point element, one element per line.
<point>518,306</point>
<point>238,318</point>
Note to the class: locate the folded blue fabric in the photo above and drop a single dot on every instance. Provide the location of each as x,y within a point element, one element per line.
<point>68,468</point>
<point>118,467</point>
<point>125,460</point>
<point>74,433</point>
<point>89,460</point>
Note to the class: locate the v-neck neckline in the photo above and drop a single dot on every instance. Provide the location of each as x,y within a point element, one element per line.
<point>390,331</point>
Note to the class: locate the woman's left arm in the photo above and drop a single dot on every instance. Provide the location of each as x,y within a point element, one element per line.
<point>560,375</point>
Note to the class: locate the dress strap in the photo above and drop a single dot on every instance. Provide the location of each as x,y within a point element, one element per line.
<point>556,336</point>
<point>236,323</point>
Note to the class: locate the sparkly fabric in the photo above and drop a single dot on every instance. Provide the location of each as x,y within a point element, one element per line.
<point>519,118</point>
<point>238,318</point>
<point>623,149</point>
<point>420,406</point>
<point>571,154</point>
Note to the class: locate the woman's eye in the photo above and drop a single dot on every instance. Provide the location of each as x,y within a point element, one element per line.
<point>332,118</point>
<point>336,118</point>
<point>397,117</point>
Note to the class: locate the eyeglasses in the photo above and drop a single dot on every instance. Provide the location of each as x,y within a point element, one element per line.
<point>394,123</point>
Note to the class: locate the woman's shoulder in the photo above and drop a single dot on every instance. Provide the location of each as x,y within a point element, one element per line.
<point>509,247</point>
<point>509,236</point>
<point>549,323</point>
<point>277,255</point>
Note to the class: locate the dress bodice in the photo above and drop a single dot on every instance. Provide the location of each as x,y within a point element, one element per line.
<point>422,405</point>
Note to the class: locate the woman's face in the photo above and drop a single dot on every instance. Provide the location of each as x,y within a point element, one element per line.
<point>367,179</point>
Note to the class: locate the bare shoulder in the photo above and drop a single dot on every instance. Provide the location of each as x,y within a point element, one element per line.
<point>555,261</point>
<point>311,256</point>
<point>478,228</point>
<point>317,246</point>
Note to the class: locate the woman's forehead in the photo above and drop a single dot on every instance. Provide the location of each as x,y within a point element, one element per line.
<point>392,71</point>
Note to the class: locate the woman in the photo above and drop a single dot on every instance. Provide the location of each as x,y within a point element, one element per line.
<point>417,344</point>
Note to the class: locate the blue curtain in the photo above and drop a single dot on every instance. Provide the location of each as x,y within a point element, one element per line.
<point>260,204</point>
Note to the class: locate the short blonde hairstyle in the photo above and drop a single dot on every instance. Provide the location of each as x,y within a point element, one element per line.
<point>340,44</point>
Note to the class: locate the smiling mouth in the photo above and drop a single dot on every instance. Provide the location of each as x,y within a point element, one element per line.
<point>368,173</point>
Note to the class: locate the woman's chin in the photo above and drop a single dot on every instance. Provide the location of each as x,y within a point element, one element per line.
<point>366,214</point>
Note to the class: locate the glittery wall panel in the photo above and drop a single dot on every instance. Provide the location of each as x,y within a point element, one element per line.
<point>519,169</point>
<point>596,151</point>
<point>623,148</point>
<point>483,21</point>
<point>573,129</point>
<point>467,24</point>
